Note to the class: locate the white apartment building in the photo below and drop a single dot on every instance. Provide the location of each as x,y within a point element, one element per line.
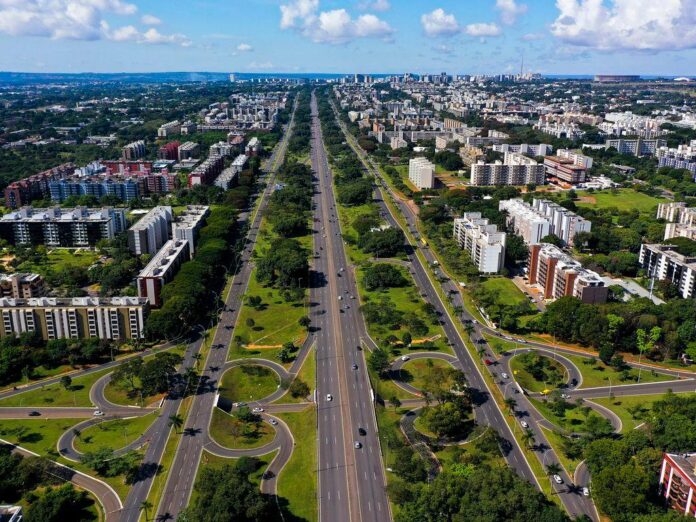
<point>161,269</point>
<point>637,147</point>
<point>483,242</point>
<point>421,173</point>
<point>682,219</point>
<point>666,264</point>
<point>683,157</point>
<point>578,159</point>
<point>562,222</point>
<point>169,129</point>
<point>541,149</point>
<point>516,169</point>
<point>188,224</point>
<point>151,232</point>
<point>525,221</point>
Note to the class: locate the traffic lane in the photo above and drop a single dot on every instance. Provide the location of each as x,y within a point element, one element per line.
<point>653,388</point>
<point>574,375</point>
<point>59,412</point>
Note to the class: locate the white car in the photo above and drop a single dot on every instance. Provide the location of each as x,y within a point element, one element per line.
<point>358,444</point>
<point>586,492</point>
<point>504,375</point>
<point>98,413</point>
<point>329,397</point>
<point>273,422</point>
<point>257,410</point>
<point>524,424</point>
<point>557,479</point>
<point>340,298</point>
<point>405,357</point>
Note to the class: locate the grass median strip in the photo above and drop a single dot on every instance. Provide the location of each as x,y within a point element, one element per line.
<point>113,434</point>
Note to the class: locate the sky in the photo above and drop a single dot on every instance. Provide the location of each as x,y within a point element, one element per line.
<point>648,37</point>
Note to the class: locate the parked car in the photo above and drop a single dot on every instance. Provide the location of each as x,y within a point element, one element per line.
<point>405,357</point>
<point>487,362</point>
<point>358,444</point>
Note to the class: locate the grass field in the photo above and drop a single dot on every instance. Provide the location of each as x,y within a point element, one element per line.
<point>114,434</point>
<point>599,374</point>
<point>527,380</point>
<point>59,259</point>
<point>574,419</point>
<point>275,322</point>
<point>221,427</point>
<point>622,405</point>
<point>56,395</point>
<point>623,199</point>
<point>406,300</point>
<point>297,482</point>
<point>248,383</point>
<point>307,374</point>
<point>505,290</point>
<point>416,372</point>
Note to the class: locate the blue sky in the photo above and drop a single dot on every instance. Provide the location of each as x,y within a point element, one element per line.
<point>344,36</point>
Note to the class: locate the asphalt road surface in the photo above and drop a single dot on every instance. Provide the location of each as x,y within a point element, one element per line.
<point>351,479</point>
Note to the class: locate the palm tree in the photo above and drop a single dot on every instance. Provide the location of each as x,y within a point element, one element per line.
<point>528,438</point>
<point>146,506</point>
<point>553,469</point>
<point>510,403</point>
<point>469,329</point>
<point>176,421</point>
<point>197,357</point>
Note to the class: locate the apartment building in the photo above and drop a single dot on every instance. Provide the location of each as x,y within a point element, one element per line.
<point>62,227</point>
<point>188,150</point>
<point>516,169</point>
<point>169,151</point>
<point>559,275</point>
<point>24,191</point>
<point>206,172</point>
<point>151,232</point>
<point>563,223</point>
<point>683,157</point>
<point>677,482</point>
<point>116,318</point>
<point>681,219</point>
<point>568,166</point>
<point>161,269</point>
<point>188,223</point>
<point>253,148</point>
<point>169,129</point>
<point>665,263</point>
<point>21,285</point>
<point>421,173</point>
<point>223,148</point>
<point>230,175</point>
<point>133,151</point>
<point>525,221</point>
<point>636,147</point>
<point>541,149</point>
<point>482,240</point>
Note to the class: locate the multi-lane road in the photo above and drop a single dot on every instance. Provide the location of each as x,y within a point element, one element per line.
<point>351,474</point>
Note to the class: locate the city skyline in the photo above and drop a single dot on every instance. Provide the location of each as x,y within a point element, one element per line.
<point>332,36</point>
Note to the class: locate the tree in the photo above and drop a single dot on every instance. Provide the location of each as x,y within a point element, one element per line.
<point>510,404</point>
<point>394,402</point>
<point>448,420</point>
<point>146,506</point>
<point>304,322</point>
<point>176,421</point>
<point>250,322</point>
<point>646,342</point>
<point>298,388</point>
<point>406,339</point>
<point>381,276</point>
<point>528,438</point>
<point>56,505</point>
<point>66,382</point>
<point>379,362</point>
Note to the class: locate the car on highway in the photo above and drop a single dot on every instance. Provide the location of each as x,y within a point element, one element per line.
<point>524,424</point>
<point>487,362</point>
<point>557,479</point>
<point>504,375</point>
<point>98,413</point>
<point>34,413</point>
<point>362,431</point>
<point>340,298</point>
<point>257,410</point>
<point>585,492</point>
<point>355,366</point>
<point>358,444</point>
<point>405,357</point>
<point>273,422</point>
<point>329,397</point>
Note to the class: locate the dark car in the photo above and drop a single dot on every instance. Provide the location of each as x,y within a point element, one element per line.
<point>487,362</point>
<point>362,431</point>
<point>34,413</point>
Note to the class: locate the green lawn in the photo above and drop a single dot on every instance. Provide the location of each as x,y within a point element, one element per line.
<point>527,380</point>
<point>307,374</point>
<point>599,374</point>
<point>297,482</point>
<point>406,300</point>
<point>573,420</point>
<point>250,436</point>
<point>56,395</point>
<point>275,322</point>
<point>623,199</point>
<point>59,259</point>
<point>622,405</point>
<point>248,383</point>
<point>114,434</point>
<point>417,372</point>
<point>505,290</point>
<point>347,216</point>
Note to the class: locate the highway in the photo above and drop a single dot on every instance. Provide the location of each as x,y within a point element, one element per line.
<point>486,409</point>
<point>352,486</point>
<point>182,476</point>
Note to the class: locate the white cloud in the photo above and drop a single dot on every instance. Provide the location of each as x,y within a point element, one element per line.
<point>482,30</point>
<point>510,10</point>
<point>148,19</point>
<point>244,48</point>
<point>627,24</point>
<point>439,23</point>
<point>334,27</point>
<point>77,20</point>
<point>375,5</point>
<point>532,37</point>
<point>261,65</point>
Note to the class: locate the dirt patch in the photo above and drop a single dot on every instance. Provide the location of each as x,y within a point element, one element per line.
<point>588,199</point>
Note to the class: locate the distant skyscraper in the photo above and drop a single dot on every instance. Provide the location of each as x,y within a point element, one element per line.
<point>233,77</point>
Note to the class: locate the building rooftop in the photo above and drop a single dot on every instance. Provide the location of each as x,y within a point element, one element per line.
<point>163,259</point>
<point>57,214</point>
<point>36,302</point>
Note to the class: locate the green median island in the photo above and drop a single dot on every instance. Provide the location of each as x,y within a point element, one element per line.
<point>537,373</point>
<point>248,383</point>
<point>114,434</point>
<point>242,429</point>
